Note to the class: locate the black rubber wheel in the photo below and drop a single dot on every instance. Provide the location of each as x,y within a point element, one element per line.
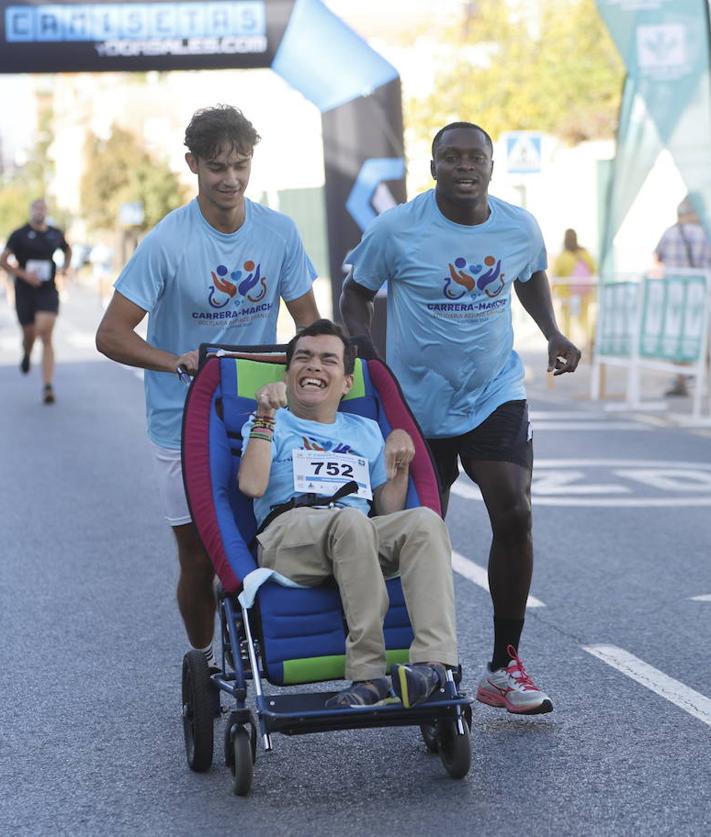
<point>429,736</point>
<point>198,711</point>
<point>227,742</point>
<point>242,765</point>
<point>454,750</point>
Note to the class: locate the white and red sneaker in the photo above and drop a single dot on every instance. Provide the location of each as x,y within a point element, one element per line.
<point>512,689</point>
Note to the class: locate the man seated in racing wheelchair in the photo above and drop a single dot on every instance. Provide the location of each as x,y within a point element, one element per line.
<point>296,442</point>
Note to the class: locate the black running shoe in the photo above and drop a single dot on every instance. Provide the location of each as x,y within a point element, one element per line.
<point>361,693</point>
<point>416,682</point>
<point>48,396</point>
<point>25,364</point>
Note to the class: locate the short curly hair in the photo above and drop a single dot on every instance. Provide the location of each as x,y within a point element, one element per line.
<point>212,128</point>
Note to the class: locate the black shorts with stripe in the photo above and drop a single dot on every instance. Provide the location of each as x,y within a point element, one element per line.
<point>504,436</point>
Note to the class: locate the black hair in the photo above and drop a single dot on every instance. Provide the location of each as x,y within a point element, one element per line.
<point>332,329</point>
<point>467,125</point>
<point>211,128</point>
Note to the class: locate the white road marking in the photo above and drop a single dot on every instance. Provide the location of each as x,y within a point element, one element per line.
<point>562,483</point>
<point>670,479</point>
<point>624,502</point>
<point>478,575</point>
<point>545,426</point>
<point>618,463</point>
<point>553,415</point>
<point>704,598</point>
<point>472,493</point>
<point>656,681</point>
<point>559,482</point>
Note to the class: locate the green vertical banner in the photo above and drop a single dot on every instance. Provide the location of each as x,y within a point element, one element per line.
<point>666,103</point>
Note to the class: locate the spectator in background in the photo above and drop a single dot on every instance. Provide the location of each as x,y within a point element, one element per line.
<point>684,245</point>
<point>575,297</point>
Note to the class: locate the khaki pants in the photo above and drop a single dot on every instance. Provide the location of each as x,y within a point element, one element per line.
<point>311,545</point>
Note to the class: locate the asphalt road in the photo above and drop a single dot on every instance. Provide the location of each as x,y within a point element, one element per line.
<point>90,729</point>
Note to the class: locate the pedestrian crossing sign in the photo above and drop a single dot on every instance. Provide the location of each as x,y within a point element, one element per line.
<point>523,152</point>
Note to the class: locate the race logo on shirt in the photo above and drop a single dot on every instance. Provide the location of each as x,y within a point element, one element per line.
<point>233,287</point>
<point>334,447</point>
<point>474,279</point>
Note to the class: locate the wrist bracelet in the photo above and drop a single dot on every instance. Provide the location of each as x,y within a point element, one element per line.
<point>265,437</point>
<point>264,425</point>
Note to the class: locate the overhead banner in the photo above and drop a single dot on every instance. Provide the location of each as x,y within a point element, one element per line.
<point>355,88</point>
<point>77,36</point>
<point>666,103</point>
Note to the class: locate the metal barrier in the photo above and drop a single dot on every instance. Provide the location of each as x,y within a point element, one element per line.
<point>656,323</point>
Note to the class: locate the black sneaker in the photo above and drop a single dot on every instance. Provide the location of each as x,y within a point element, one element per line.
<point>415,683</point>
<point>48,396</point>
<point>25,364</point>
<point>361,693</point>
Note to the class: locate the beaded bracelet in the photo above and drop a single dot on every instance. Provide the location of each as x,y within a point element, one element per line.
<point>261,429</point>
<point>265,437</point>
<point>267,422</point>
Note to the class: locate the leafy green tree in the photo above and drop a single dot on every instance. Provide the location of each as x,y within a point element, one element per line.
<point>14,206</point>
<point>556,71</point>
<point>119,170</point>
<point>38,171</point>
<point>31,181</point>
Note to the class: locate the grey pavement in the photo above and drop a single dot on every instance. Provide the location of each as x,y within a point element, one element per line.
<point>90,729</point>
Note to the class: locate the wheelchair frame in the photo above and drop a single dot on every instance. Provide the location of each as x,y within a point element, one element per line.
<point>444,719</point>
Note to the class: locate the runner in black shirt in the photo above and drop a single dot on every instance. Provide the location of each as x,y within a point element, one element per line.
<point>36,295</point>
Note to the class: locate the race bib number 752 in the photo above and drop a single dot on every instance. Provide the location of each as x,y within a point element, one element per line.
<point>323,472</point>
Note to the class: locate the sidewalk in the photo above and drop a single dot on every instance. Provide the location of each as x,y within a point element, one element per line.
<point>564,389</point>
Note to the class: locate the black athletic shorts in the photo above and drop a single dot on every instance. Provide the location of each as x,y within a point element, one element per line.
<point>29,300</point>
<point>504,436</point>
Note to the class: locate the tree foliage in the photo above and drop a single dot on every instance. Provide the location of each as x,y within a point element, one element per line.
<point>31,181</point>
<point>557,72</point>
<point>120,170</point>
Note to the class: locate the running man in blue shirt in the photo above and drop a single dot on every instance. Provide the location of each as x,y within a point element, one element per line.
<point>210,272</point>
<point>450,257</point>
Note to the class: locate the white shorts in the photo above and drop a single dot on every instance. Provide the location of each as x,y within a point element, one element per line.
<point>172,491</point>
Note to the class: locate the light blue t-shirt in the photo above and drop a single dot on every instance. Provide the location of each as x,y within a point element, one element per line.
<point>450,338</point>
<point>352,434</point>
<point>203,286</point>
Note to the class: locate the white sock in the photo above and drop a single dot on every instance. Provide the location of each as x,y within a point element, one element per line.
<point>208,653</point>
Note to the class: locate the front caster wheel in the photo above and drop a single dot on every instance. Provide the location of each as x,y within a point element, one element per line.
<point>454,749</point>
<point>198,711</point>
<point>242,764</point>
